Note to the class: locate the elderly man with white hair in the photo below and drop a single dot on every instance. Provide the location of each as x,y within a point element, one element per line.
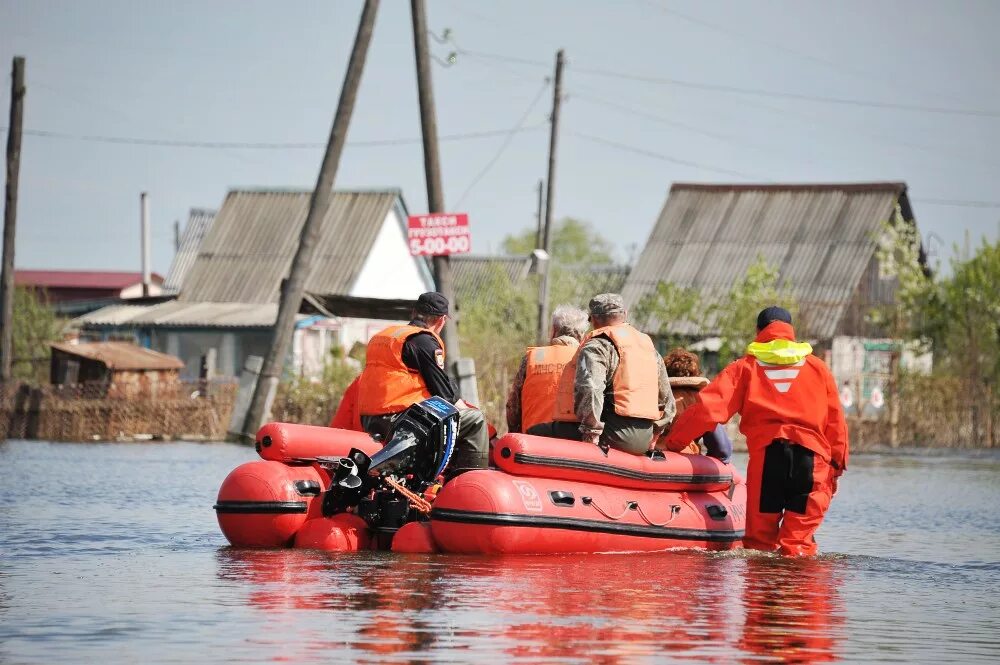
<point>532,395</point>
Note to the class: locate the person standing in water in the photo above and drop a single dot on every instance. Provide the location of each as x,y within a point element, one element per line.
<point>795,429</point>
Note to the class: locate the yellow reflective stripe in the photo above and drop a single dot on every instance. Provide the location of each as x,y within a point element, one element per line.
<point>779,351</point>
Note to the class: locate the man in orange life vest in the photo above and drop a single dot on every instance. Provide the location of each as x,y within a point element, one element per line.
<point>616,392</point>
<point>533,394</point>
<point>795,429</point>
<point>405,365</point>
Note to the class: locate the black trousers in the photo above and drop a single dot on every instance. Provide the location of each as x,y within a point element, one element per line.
<point>787,477</point>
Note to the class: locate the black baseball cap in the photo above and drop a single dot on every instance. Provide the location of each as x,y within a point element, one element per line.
<point>772,314</point>
<point>432,303</point>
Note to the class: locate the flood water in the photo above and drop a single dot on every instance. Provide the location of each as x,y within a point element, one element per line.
<point>110,553</point>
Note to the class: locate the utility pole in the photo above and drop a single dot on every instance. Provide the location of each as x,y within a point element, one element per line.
<point>293,289</point>
<point>543,289</point>
<point>146,260</point>
<point>539,239</point>
<point>432,165</point>
<point>17,92</point>
<point>177,235</point>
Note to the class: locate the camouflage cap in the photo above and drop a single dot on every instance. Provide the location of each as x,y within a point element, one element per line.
<point>607,304</point>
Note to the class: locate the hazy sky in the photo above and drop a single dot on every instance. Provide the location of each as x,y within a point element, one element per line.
<point>252,71</point>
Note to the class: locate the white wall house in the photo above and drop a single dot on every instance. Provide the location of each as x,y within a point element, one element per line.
<point>229,296</point>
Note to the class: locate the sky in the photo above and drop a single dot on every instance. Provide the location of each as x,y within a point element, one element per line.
<point>655,92</point>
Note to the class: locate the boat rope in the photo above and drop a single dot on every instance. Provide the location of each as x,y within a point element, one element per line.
<point>418,502</point>
<point>675,510</point>
<point>629,505</point>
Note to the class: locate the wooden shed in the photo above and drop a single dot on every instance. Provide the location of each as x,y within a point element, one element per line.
<point>115,369</point>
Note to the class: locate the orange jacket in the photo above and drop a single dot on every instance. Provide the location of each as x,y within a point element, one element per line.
<point>347,415</point>
<point>545,365</point>
<point>794,399</point>
<point>387,385</point>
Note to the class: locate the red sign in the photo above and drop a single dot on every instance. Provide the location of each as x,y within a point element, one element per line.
<point>439,234</point>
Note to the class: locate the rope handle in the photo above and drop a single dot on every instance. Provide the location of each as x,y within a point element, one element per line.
<point>629,505</point>
<point>675,510</point>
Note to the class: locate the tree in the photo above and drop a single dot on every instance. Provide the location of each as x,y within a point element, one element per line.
<point>35,325</point>
<point>574,242</point>
<point>898,255</point>
<point>735,315</point>
<point>962,317</point>
<point>673,313</point>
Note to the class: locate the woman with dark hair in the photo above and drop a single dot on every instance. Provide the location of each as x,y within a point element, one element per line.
<point>685,382</point>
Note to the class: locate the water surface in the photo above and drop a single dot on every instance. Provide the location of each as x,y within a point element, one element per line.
<point>111,553</point>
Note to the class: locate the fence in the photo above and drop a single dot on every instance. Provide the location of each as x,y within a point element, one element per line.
<point>85,412</point>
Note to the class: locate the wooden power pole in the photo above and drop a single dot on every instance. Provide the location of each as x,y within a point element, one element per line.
<point>432,166</point>
<point>293,289</point>
<point>17,91</point>
<point>540,214</point>
<point>543,289</point>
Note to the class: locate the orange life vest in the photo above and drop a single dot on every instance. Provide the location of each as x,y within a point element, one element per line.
<point>387,385</point>
<point>635,382</point>
<point>538,394</point>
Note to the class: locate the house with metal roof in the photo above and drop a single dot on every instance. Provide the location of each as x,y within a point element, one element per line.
<point>74,292</point>
<point>823,239</point>
<point>228,298</point>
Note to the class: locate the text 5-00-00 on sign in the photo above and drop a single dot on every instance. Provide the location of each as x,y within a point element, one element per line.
<point>451,245</point>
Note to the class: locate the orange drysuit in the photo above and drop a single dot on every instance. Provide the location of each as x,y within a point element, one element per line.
<point>347,415</point>
<point>796,436</point>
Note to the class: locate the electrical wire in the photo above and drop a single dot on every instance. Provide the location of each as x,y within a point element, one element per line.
<point>256,145</point>
<point>959,203</point>
<point>660,156</point>
<point>503,146</point>
<point>731,89</point>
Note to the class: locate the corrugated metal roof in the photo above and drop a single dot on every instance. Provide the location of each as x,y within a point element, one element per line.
<point>183,315</point>
<point>249,249</point>
<point>199,222</point>
<point>121,355</point>
<point>822,237</point>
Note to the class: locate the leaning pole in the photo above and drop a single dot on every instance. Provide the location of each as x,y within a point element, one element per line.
<point>293,289</point>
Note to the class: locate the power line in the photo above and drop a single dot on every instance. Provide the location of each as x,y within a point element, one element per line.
<point>959,203</point>
<point>731,89</point>
<point>256,145</point>
<point>656,155</point>
<point>760,92</point>
<point>753,39</point>
<point>503,146</point>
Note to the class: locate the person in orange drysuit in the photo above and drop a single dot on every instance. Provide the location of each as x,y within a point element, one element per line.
<point>347,415</point>
<point>795,429</point>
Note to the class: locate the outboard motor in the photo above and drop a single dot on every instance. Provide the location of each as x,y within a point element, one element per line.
<point>417,450</point>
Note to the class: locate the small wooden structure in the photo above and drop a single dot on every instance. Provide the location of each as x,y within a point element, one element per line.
<point>115,369</point>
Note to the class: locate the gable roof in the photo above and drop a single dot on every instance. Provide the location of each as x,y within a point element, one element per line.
<point>822,237</point>
<point>249,249</point>
<point>81,279</point>
<point>121,355</point>
<point>199,222</point>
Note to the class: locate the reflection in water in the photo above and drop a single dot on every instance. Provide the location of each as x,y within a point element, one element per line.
<point>603,609</point>
<point>793,607</point>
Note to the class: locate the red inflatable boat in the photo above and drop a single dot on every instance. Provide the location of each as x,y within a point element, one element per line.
<point>544,496</point>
